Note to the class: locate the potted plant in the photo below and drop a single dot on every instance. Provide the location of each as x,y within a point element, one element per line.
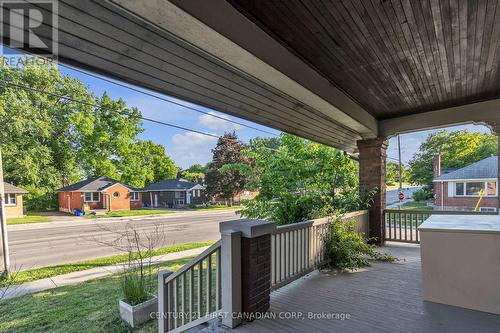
<point>138,303</point>
<point>137,280</point>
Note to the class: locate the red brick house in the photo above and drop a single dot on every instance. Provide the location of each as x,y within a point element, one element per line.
<point>99,194</point>
<point>460,189</point>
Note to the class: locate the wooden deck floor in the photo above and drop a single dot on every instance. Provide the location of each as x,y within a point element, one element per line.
<point>382,298</point>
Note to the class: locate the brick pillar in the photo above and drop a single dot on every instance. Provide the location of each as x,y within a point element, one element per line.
<point>256,273</point>
<point>372,169</point>
<point>255,263</point>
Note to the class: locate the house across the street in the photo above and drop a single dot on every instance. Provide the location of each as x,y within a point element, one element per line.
<point>461,189</point>
<point>98,195</point>
<point>14,200</point>
<point>173,193</point>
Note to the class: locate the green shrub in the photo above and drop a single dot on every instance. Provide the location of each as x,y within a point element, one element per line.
<point>346,249</point>
<point>422,194</point>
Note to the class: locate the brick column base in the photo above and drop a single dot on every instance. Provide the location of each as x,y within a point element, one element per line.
<point>255,262</point>
<point>372,169</point>
<point>255,274</point>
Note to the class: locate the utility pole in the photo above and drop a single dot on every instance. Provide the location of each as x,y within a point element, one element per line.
<point>3,222</point>
<point>400,172</point>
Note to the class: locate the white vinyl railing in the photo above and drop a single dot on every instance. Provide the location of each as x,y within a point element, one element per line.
<point>191,295</point>
<point>297,249</point>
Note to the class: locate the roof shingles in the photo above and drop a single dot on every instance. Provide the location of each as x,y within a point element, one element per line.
<point>97,184</point>
<point>484,169</point>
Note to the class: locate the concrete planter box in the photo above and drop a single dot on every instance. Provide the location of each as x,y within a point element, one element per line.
<point>138,314</point>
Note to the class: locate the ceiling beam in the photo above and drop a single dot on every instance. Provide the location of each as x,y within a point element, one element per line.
<point>486,113</point>
<point>220,30</point>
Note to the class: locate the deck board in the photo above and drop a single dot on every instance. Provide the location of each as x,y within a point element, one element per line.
<point>382,298</point>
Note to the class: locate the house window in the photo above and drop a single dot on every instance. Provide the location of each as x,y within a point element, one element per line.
<point>491,189</point>
<point>116,194</point>
<point>10,199</point>
<point>473,188</point>
<point>134,196</point>
<point>179,202</point>
<point>91,197</point>
<point>178,195</point>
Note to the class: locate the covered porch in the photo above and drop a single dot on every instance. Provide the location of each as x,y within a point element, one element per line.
<point>386,297</point>
<point>347,74</point>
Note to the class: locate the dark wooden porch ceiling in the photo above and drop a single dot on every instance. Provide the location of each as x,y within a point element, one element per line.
<point>393,57</point>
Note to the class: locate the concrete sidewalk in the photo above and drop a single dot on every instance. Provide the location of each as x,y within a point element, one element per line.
<point>82,276</point>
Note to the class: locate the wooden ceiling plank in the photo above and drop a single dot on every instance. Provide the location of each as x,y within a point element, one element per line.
<point>370,34</point>
<point>425,9</point>
<point>402,55</point>
<point>418,25</point>
<point>462,16</point>
<point>413,38</point>
<point>355,33</point>
<point>392,50</point>
<point>410,53</point>
<point>344,34</point>
<point>486,44</point>
<point>493,44</point>
<point>471,42</point>
<point>447,30</point>
<point>326,21</point>
<point>480,33</point>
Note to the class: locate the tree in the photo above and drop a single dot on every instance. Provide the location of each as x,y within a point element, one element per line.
<point>146,162</point>
<point>49,142</point>
<point>392,173</point>
<point>223,181</point>
<point>458,149</point>
<point>301,180</point>
<point>195,173</point>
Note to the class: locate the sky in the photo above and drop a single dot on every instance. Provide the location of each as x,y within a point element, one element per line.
<point>187,148</point>
<point>184,147</point>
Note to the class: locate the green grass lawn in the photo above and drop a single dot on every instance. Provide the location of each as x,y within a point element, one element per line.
<point>29,218</point>
<point>416,206</point>
<point>133,212</point>
<point>88,307</point>
<point>45,272</point>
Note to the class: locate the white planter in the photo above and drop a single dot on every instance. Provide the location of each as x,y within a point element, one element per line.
<point>138,314</point>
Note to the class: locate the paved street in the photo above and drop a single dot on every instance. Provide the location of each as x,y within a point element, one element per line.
<point>43,244</point>
<point>392,195</point>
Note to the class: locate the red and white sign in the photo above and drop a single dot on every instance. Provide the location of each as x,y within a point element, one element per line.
<point>401,196</point>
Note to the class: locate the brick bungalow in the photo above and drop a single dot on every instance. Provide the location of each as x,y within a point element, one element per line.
<point>174,193</point>
<point>99,194</point>
<point>459,189</point>
<point>13,200</point>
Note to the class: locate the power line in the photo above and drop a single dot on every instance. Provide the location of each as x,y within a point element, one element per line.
<point>160,97</point>
<point>8,83</point>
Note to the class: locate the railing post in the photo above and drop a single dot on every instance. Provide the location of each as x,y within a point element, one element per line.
<point>231,277</point>
<point>254,255</point>
<point>163,296</point>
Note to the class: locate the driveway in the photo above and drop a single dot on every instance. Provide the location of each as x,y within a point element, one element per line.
<point>44,244</point>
